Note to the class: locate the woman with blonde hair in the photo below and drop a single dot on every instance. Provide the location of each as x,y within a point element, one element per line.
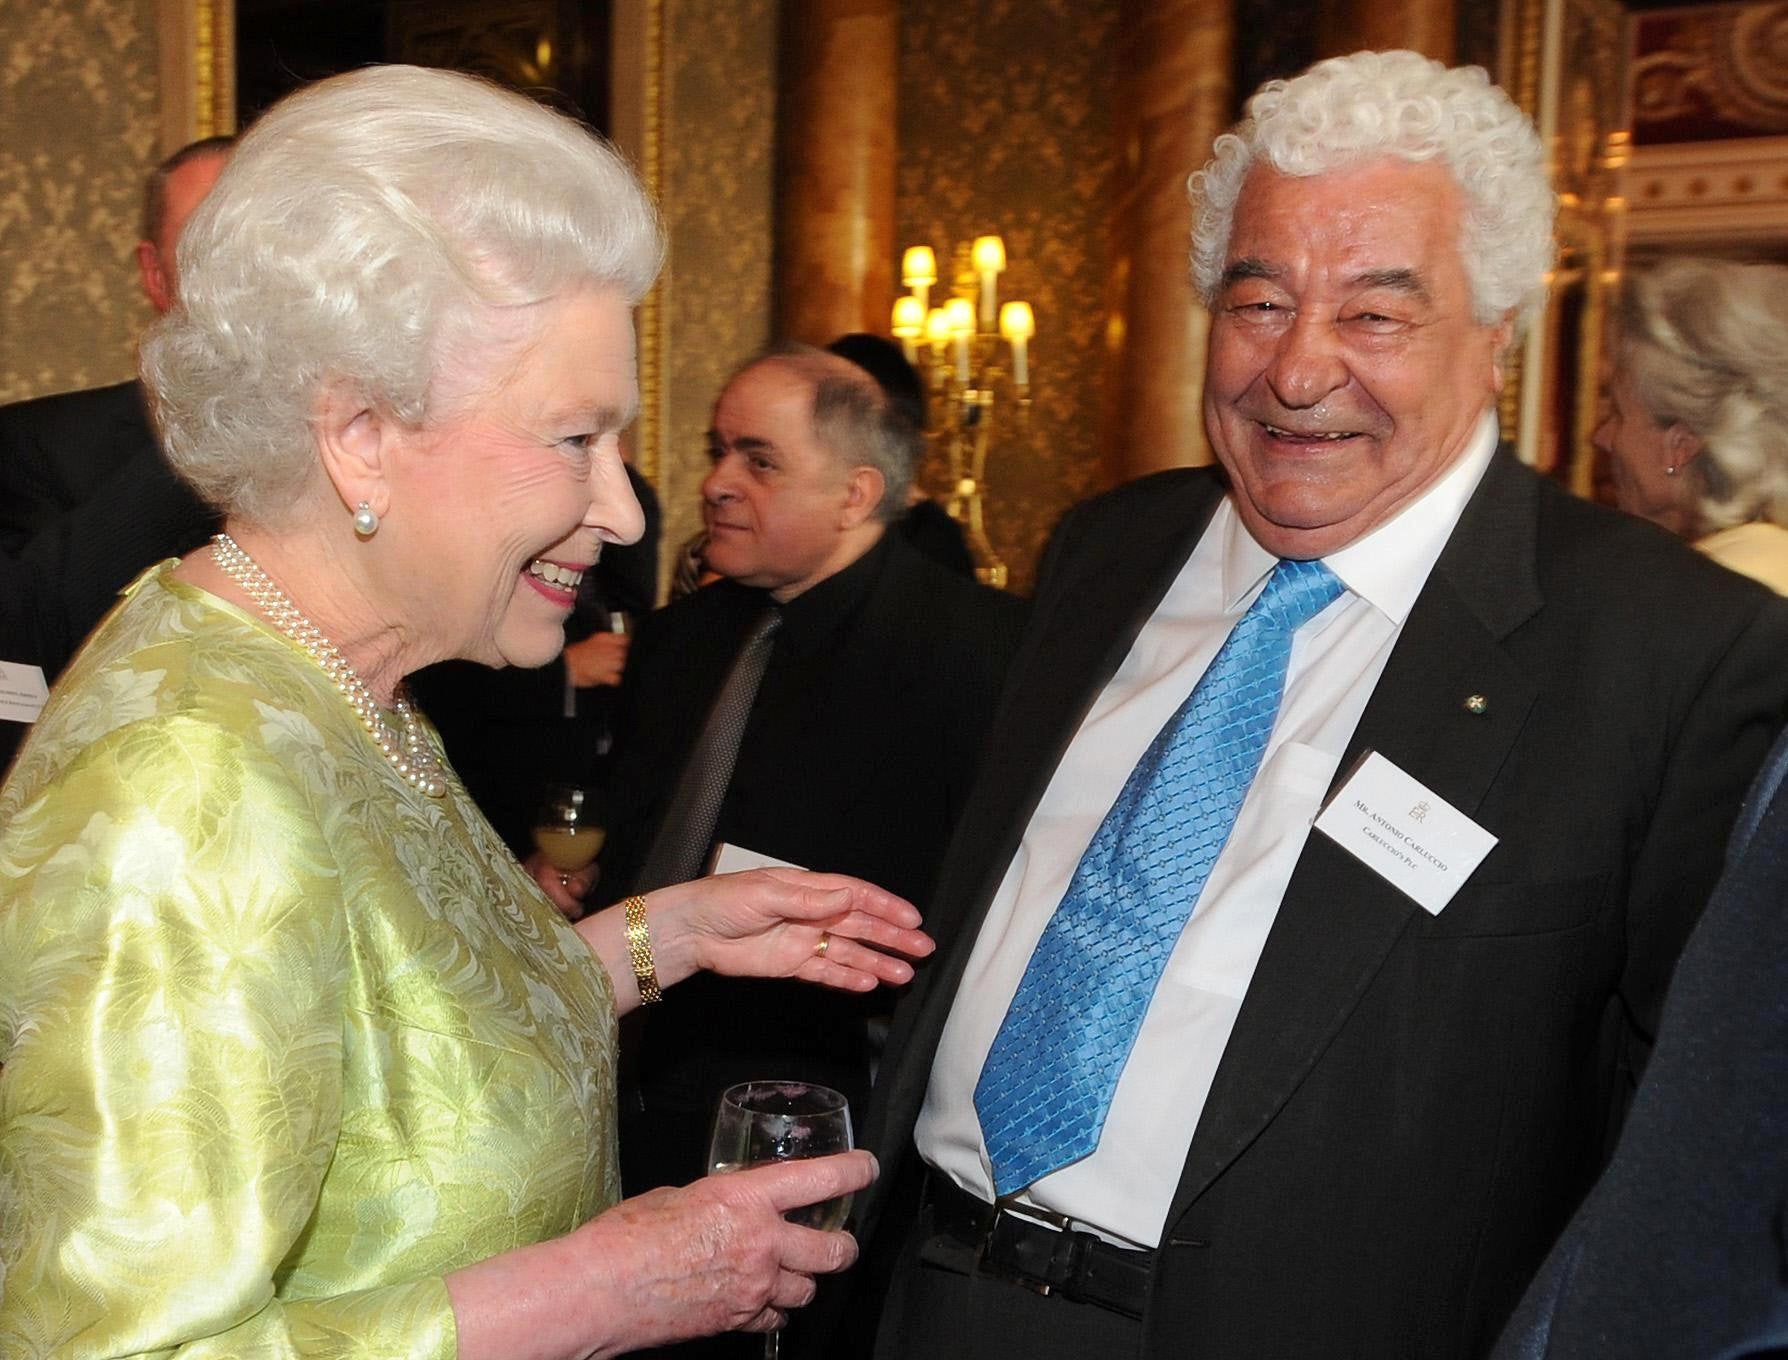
<point>1697,438</point>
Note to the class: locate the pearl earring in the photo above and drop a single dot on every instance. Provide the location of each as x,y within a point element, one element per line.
<point>1670,470</point>
<point>366,524</point>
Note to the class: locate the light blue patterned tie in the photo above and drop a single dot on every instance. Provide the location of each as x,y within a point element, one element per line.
<point>1054,1065</point>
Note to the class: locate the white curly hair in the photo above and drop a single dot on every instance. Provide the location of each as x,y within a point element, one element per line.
<point>1399,104</point>
<point>382,229</point>
<point>1706,344</point>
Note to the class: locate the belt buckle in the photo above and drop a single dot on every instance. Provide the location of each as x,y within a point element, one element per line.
<point>1007,1206</point>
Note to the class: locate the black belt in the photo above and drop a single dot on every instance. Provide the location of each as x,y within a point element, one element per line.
<point>1076,1265</point>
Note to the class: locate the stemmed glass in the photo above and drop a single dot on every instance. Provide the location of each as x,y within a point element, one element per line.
<point>567,829</point>
<point>780,1121</point>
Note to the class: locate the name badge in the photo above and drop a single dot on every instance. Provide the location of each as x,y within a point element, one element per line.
<point>1410,836</point>
<point>22,691</point>
<point>732,859</point>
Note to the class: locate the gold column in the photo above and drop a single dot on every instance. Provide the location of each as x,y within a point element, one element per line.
<point>835,167</point>
<point>1172,99</point>
<point>1425,26</point>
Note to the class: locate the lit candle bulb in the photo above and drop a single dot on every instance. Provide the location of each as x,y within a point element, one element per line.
<point>908,324</point>
<point>960,313</point>
<point>989,256</point>
<point>918,271</point>
<point>937,330</point>
<point>1018,325</point>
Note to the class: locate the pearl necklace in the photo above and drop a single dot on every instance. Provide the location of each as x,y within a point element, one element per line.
<point>407,751</point>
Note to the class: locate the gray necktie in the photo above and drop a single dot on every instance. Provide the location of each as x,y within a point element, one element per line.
<point>684,838</point>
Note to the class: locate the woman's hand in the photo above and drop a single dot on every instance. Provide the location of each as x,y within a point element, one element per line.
<point>776,923</point>
<point>717,1255</point>
<point>713,1256</point>
<point>564,891</point>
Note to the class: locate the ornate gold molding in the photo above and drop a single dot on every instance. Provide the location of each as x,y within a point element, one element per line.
<point>1557,56</point>
<point>1721,71</point>
<point>637,80</point>
<point>198,70</point>
<point>651,312</point>
<point>1702,195</point>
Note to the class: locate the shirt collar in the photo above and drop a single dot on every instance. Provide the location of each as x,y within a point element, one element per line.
<point>811,618</point>
<point>1387,567</point>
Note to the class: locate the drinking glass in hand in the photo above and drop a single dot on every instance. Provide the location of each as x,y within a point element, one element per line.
<point>567,830</point>
<point>780,1121</point>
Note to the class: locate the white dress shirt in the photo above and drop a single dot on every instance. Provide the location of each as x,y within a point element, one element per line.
<point>1123,1189</point>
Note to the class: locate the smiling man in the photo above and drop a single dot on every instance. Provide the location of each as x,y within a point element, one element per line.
<point>1351,803</point>
<point>823,705</point>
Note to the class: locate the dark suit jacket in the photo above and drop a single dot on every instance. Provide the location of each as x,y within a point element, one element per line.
<point>86,502</point>
<point>55,452</point>
<point>1410,1106</point>
<point>866,775</point>
<point>1681,1251</point>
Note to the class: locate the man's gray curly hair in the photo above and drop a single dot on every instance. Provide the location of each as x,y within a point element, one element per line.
<point>1370,105</point>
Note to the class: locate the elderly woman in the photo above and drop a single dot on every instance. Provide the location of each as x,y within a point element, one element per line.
<point>1697,440</point>
<point>297,1060</point>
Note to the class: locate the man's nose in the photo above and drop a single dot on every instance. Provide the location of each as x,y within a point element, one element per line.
<point>717,486</point>
<point>1307,365</point>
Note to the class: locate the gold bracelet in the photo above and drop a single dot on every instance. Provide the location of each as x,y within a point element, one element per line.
<point>639,951</point>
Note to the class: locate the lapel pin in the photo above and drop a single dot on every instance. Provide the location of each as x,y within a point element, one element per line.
<point>1477,705</point>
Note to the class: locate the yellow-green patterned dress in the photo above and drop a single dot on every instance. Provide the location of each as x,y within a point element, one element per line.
<point>284,1039</point>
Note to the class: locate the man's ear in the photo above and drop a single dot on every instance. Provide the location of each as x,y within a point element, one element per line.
<point>1502,335</point>
<point>863,490</point>
<point>354,444</point>
<point>154,277</point>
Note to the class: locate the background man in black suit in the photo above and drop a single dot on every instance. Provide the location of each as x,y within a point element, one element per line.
<point>1346,1125</point>
<point>86,501</point>
<point>856,749</point>
<point>1680,1251</point>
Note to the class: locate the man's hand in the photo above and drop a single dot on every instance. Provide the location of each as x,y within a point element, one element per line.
<point>599,659</point>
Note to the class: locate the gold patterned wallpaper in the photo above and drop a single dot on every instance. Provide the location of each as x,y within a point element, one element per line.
<point>78,122</point>
<point>717,193</point>
<point>1004,126</point>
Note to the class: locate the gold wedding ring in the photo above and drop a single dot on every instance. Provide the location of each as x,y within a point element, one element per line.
<point>825,943</point>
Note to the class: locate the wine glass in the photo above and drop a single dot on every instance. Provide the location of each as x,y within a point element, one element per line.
<point>567,829</point>
<point>780,1121</point>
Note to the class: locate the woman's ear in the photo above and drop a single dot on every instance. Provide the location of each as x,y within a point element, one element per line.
<point>354,444</point>
<point>863,491</point>
<point>1684,445</point>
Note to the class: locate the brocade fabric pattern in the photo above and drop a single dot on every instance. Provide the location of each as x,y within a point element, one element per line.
<point>284,1040</point>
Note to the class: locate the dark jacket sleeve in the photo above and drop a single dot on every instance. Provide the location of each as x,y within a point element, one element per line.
<point>68,574</point>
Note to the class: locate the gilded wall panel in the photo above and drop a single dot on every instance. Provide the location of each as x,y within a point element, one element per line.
<point>78,123</point>
<point>1710,73</point>
<point>716,187</point>
<point>1005,126</point>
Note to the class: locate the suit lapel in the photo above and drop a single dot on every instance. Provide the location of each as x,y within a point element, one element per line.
<point>1338,920</point>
